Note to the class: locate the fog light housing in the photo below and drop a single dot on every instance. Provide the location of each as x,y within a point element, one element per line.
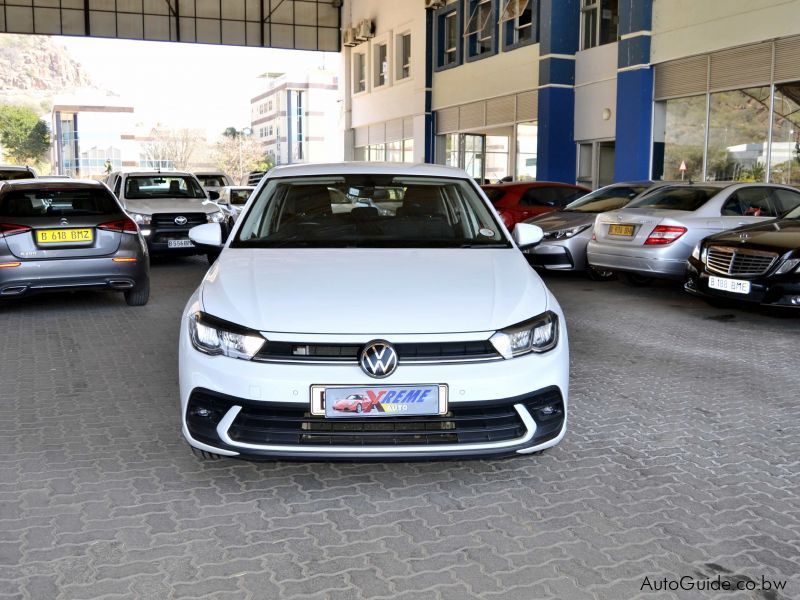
<point>203,412</point>
<point>548,410</point>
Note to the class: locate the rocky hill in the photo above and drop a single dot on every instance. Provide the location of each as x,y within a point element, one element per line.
<point>35,68</point>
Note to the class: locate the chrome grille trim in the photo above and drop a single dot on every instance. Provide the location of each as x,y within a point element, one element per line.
<point>743,262</point>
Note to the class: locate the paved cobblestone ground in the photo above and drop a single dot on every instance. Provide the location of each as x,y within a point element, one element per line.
<point>682,459</point>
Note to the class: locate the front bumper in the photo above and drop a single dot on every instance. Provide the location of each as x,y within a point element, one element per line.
<point>34,276</point>
<point>262,410</point>
<point>769,291</point>
<point>562,255</point>
<point>659,263</point>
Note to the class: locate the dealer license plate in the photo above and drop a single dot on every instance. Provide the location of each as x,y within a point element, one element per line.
<point>180,244</point>
<point>342,402</point>
<point>735,286</point>
<point>65,236</point>
<point>623,230</point>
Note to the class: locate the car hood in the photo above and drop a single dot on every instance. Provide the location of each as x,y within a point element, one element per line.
<point>373,291</point>
<point>780,235</point>
<point>169,205</point>
<point>562,220</point>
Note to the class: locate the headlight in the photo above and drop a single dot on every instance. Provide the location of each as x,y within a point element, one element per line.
<point>563,234</point>
<point>140,219</point>
<point>216,217</point>
<point>217,337</point>
<point>696,252</point>
<point>788,265</point>
<point>539,334</point>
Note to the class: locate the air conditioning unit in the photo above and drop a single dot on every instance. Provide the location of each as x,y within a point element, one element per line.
<point>434,4</point>
<point>349,37</point>
<point>365,30</point>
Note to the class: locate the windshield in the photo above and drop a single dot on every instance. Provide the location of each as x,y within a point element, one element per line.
<point>239,197</point>
<point>14,174</point>
<point>378,211</point>
<point>145,187</point>
<point>606,199</point>
<point>688,198</point>
<point>58,203</point>
<point>212,180</point>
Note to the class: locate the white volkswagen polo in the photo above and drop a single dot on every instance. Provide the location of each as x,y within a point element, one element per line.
<point>371,311</point>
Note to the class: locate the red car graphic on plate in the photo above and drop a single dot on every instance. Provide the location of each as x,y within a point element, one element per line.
<point>354,403</point>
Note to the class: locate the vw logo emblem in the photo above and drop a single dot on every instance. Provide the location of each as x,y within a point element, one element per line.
<point>181,220</point>
<point>378,359</point>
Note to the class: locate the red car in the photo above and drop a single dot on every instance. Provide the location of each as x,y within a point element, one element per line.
<point>353,403</point>
<point>522,200</point>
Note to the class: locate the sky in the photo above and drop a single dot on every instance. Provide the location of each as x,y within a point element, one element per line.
<point>187,85</point>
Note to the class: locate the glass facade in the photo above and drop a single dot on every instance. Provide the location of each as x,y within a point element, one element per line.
<point>685,137</point>
<point>527,143</point>
<point>737,145</point>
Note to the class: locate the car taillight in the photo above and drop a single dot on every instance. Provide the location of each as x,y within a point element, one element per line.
<point>664,234</point>
<point>121,225</point>
<point>7,229</point>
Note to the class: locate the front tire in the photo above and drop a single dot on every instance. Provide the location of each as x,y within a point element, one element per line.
<point>139,294</point>
<point>359,408</point>
<point>635,280</point>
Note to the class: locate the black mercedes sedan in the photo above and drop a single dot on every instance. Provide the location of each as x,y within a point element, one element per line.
<point>757,264</point>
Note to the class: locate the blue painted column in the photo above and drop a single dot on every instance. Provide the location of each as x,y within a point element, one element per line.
<point>634,146</point>
<point>558,35</point>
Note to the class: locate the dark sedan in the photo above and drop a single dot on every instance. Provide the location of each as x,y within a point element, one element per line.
<point>758,264</point>
<point>67,235</point>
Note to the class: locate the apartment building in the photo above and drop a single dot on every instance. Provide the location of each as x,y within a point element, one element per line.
<point>589,91</point>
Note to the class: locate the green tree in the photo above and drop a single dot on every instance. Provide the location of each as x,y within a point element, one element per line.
<point>23,134</point>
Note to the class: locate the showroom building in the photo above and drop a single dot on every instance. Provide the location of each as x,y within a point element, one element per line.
<point>588,91</point>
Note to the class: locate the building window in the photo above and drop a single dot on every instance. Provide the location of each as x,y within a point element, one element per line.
<point>452,150</point>
<point>376,152</point>
<point>297,126</point>
<point>394,151</point>
<point>481,28</point>
<point>520,20</point>
<point>785,147</point>
<point>527,143</point>
<point>404,56</point>
<point>381,65</point>
<point>359,72</point>
<point>738,133</point>
<point>599,22</point>
<point>449,42</point>
<point>408,150</point>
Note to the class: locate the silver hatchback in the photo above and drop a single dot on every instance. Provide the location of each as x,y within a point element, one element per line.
<point>654,235</point>
<point>67,235</point>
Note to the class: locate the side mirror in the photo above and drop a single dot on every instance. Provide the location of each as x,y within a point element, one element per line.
<point>209,235</point>
<point>213,195</point>
<point>526,235</point>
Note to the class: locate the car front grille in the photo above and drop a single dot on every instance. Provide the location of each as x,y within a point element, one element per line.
<point>419,353</point>
<point>168,219</point>
<point>262,423</point>
<point>742,262</point>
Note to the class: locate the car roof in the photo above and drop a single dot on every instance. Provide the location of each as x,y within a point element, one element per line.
<point>210,173</point>
<point>362,168</point>
<point>529,184</point>
<point>15,168</point>
<point>156,172</point>
<point>50,184</point>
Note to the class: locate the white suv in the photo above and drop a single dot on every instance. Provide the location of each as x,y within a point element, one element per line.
<point>166,205</point>
<point>406,326</point>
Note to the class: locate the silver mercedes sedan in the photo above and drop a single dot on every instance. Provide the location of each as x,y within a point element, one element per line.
<point>567,232</point>
<point>66,234</point>
<point>654,236</point>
